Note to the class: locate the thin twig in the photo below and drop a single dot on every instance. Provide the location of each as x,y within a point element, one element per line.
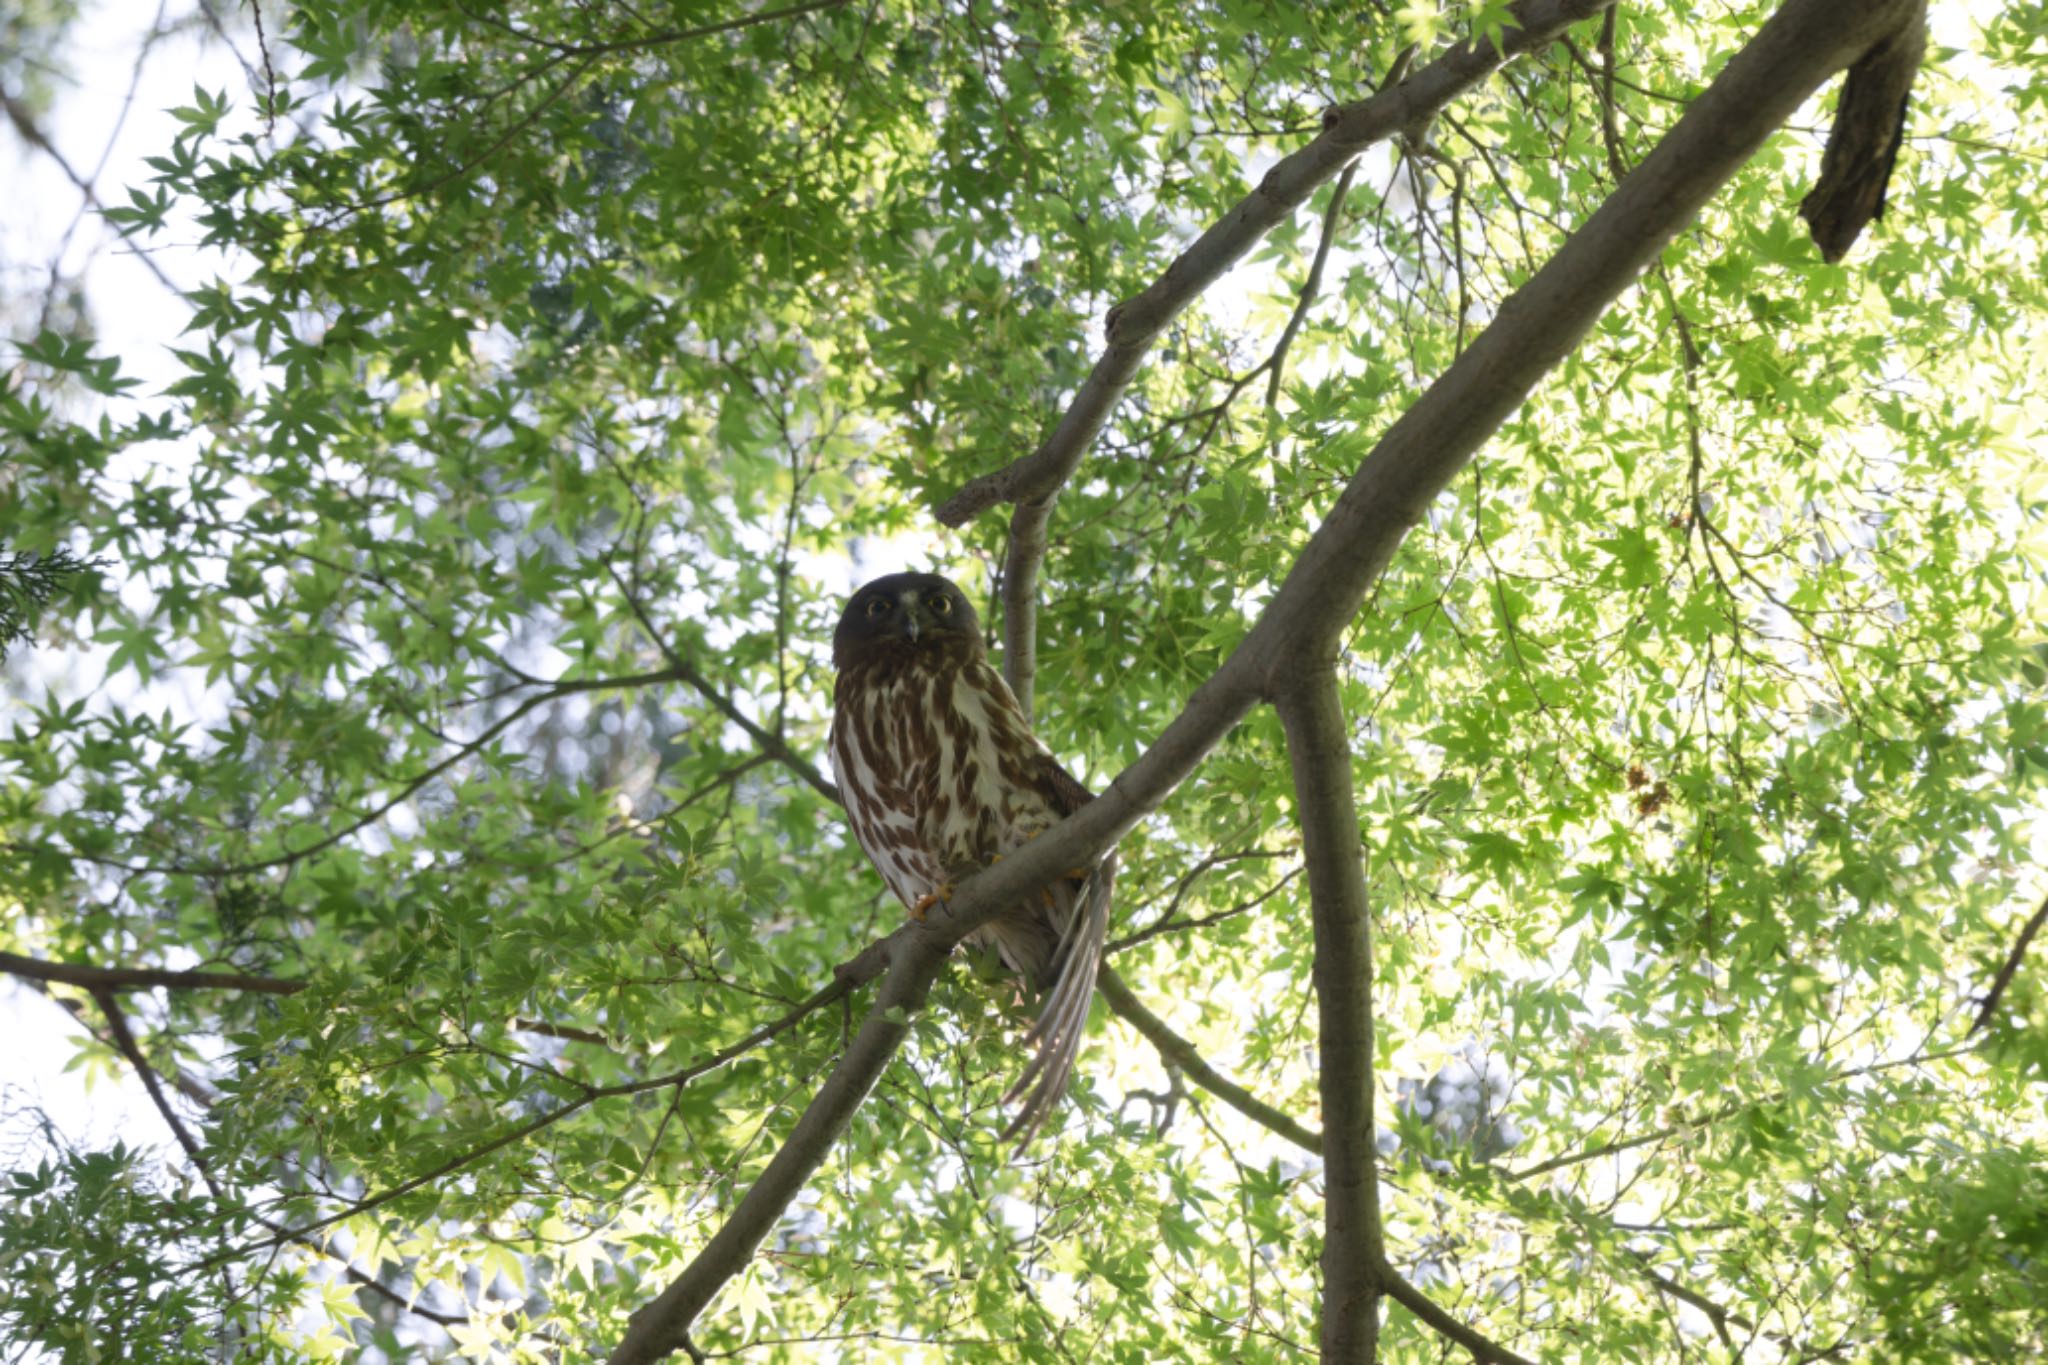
<point>24,121</point>
<point>846,978</point>
<point>768,741</point>
<point>1485,1350</point>
<point>1311,287</point>
<point>124,1041</point>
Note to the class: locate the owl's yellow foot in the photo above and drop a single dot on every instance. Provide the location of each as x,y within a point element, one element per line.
<point>940,896</point>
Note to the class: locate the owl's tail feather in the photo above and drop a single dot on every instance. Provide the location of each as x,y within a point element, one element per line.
<point>1057,1034</point>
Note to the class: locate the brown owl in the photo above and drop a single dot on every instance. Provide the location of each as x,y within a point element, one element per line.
<point>942,776</point>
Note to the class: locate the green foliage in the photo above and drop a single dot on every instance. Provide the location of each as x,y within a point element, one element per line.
<point>574,362</point>
<point>27,583</point>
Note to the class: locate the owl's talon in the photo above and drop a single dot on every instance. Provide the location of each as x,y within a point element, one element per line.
<point>930,898</point>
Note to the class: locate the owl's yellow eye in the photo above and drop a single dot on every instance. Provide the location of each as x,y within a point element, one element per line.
<point>876,606</point>
<point>943,606</point>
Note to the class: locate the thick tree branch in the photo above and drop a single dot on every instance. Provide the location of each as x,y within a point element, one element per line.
<point>1021,561</point>
<point>1178,1052</point>
<point>1319,752</point>
<point>1540,324</point>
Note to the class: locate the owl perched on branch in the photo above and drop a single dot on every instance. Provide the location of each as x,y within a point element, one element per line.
<point>942,776</point>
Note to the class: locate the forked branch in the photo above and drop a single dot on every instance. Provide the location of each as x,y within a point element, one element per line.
<point>1348,129</point>
<point>1033,481</point>
<point>1294,643</point>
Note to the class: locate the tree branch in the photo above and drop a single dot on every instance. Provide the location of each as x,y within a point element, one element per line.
<point>1178,1052</point>
<point>100,980</point>
<point>1033,482</point>
<point>768,741</point>
<point>1863,145</point>
<point>553,691</point>
<point>1726,1111</point>
<point>567,1032</point>
<point>1534,329</point>
<point>1319,752</point>
<point>1021,561</point>
<point>663,1325</point>
<point>1312,287</point>
<point>24,121</point>
<point>2012,965</point>
<point>124,1041</point>
<point>1543,321</point>
<point>1717,1315</point>
<point>1484,1349</point>
<point>1348,129</point>
<point>659,38</point>
<point>919,952</point>
<point>846,978</point>
<point>1167,924</point>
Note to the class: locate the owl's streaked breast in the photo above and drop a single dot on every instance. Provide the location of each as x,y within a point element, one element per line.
<point>884,757</point>
<point>936,763</point>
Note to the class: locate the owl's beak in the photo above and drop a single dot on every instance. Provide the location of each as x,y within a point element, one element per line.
<point>911,626</point>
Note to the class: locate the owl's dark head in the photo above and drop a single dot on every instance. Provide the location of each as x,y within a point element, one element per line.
<point>906,614</point>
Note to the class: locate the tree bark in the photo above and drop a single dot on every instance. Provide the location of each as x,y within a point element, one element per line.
<point>1319,752</point>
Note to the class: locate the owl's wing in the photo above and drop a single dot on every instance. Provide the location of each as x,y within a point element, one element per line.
<point>1066,791</point>
<point>1057,1034</point>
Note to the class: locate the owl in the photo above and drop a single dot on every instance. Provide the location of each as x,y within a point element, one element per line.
<point>942,777</point>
